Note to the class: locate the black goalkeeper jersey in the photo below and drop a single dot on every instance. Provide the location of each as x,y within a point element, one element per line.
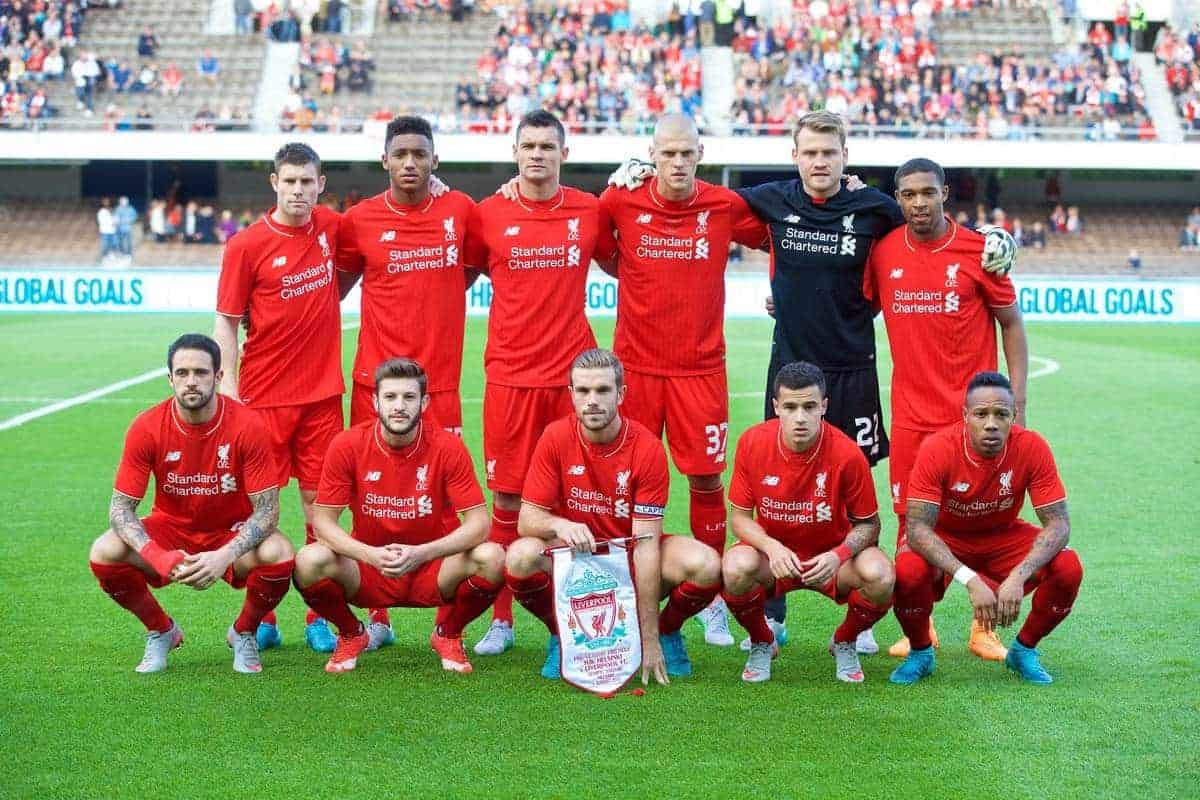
<point>818,253</point>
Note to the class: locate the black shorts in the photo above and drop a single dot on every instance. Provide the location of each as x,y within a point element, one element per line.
<point>854,407</point>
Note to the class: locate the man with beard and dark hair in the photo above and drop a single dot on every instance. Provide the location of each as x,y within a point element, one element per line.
<point>215,514</point>
<point>405,483</point>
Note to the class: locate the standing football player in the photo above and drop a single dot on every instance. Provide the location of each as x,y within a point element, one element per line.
<point>280,271</point>
<point>941,309</point>
<point>536,249</point>
<point>965,494</point>
<point>595,476</point>
<point>216,508</point>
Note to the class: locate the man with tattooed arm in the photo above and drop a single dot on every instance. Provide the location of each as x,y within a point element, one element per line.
<point>215,513</point>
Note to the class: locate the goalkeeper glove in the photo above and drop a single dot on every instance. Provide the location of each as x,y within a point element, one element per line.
<point>632,174</point>
<point>999,250</point>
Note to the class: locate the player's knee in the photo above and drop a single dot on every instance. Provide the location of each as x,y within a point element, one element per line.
<point>108,549</point>
<point>1066,569</point>
<point>489,561</point>
<point>875,570</point>
<point>275,549</point>
<point>313,562</point>
<point>739,565</point>
<point>524,556</point>
<point>705,566</point>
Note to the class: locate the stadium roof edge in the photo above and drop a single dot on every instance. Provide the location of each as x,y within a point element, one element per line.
<point>734,151</point>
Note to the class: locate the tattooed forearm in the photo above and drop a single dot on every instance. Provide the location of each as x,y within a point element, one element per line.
<point>260,524</point>
<point>123,519</point>
<point>920,517</point>
<point>864,534</point>
<point>1056,530</point>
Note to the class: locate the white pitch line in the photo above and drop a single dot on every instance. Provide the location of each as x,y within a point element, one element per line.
<point>80,399</point>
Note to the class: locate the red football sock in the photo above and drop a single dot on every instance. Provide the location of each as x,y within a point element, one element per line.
<point>686,600</point>
<point>536,594</point>
<point>707,517</point>
<point>126,584</point>
<point>380,615</point>
<point>472,598</point>
<point>861,615</point>
<point>502,608</point>
<point>328,599</point>
<point>265,587</point>
<point>504,526</point>
<point>1053,598</point>
<point>269,618</point>
<point>747,609</point>
<point>914,598</point>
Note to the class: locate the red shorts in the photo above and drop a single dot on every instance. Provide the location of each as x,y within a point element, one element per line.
<point>417,589</point>
<point>905,443</point>
<point>445,408</point>
<point>513,421</point>
<point>784,585</point>
<point>993,557</point>
<point>300,435</point>
<point>694,410</point>
<point>164,532</point>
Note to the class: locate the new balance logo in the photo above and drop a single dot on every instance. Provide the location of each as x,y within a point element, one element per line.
<point>644,219</point>
<point>512,230</point>
<point>770,480</point>
<point>575,469</point>
<point>174,455</point>
<point>279,262</point>
<point>373,475</point>
<point>791,219</point>
<point>897,273</point>
<point>960,487</point>
<point>387,236</point>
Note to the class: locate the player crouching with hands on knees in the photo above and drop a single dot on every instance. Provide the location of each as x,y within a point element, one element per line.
<point>965,493</point>
<point>805,515</point>
<point>596,476</point>
<point>405,483</point>
<point>216,508</point>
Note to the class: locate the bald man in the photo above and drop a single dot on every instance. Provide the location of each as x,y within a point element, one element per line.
<point>673,237</point>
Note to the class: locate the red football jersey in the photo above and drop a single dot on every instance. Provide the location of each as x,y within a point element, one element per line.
<point>285,277</point>
<point>803,500</point>
<point>937,303</point>
<point>413,289</point>
<point>399,495</point>
<point>603,486</point>
<point>203,474</point>
<point>671,288</point>
<point>537,255</point>
<point>976,495</point>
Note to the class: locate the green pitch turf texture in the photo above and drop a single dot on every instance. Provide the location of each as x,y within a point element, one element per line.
<point>1120,720</point>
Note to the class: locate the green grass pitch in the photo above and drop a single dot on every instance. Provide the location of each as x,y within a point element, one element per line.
<point>1120,721</point>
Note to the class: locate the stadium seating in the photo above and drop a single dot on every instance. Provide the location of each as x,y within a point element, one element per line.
<point>1179,54</point>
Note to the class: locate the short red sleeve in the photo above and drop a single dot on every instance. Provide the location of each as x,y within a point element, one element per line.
<point>653,483</point>
<point>258,466</point>
<point>461,485</point>
<point>858,489</point>
<point>740,493</point>
<point>542,481</point>
<point>337,476</point>
<point>475,250</point>
<point>927,479</point>
<point>349,257</point>
<point>137,461</point>
<point>236,280</point>
<point>747,228</point>
<point>606,243</point>
<point>997,291</point>
<point>1045,485</point>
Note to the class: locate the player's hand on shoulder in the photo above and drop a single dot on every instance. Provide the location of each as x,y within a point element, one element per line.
<point>437,186</point>
<point>983,600</point>
<point>509,190</point>
<point>577,535</point>
<point>819,570</point>
<point>999,250</point>
<point>853,182</point>
<point>632,174</point>
<point>653,662</point>
<point>1008,601</point>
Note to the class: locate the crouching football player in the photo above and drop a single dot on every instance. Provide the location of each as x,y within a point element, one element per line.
<point>966,489</point>
<point>595,476</point>
<point>216,508</point>
<point>405,483</point>
<point>805,515</point>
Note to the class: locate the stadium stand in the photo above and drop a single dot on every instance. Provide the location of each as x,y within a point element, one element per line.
<point>1179,55</point>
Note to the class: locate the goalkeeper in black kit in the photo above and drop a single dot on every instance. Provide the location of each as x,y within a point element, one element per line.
<point>821,236</point>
